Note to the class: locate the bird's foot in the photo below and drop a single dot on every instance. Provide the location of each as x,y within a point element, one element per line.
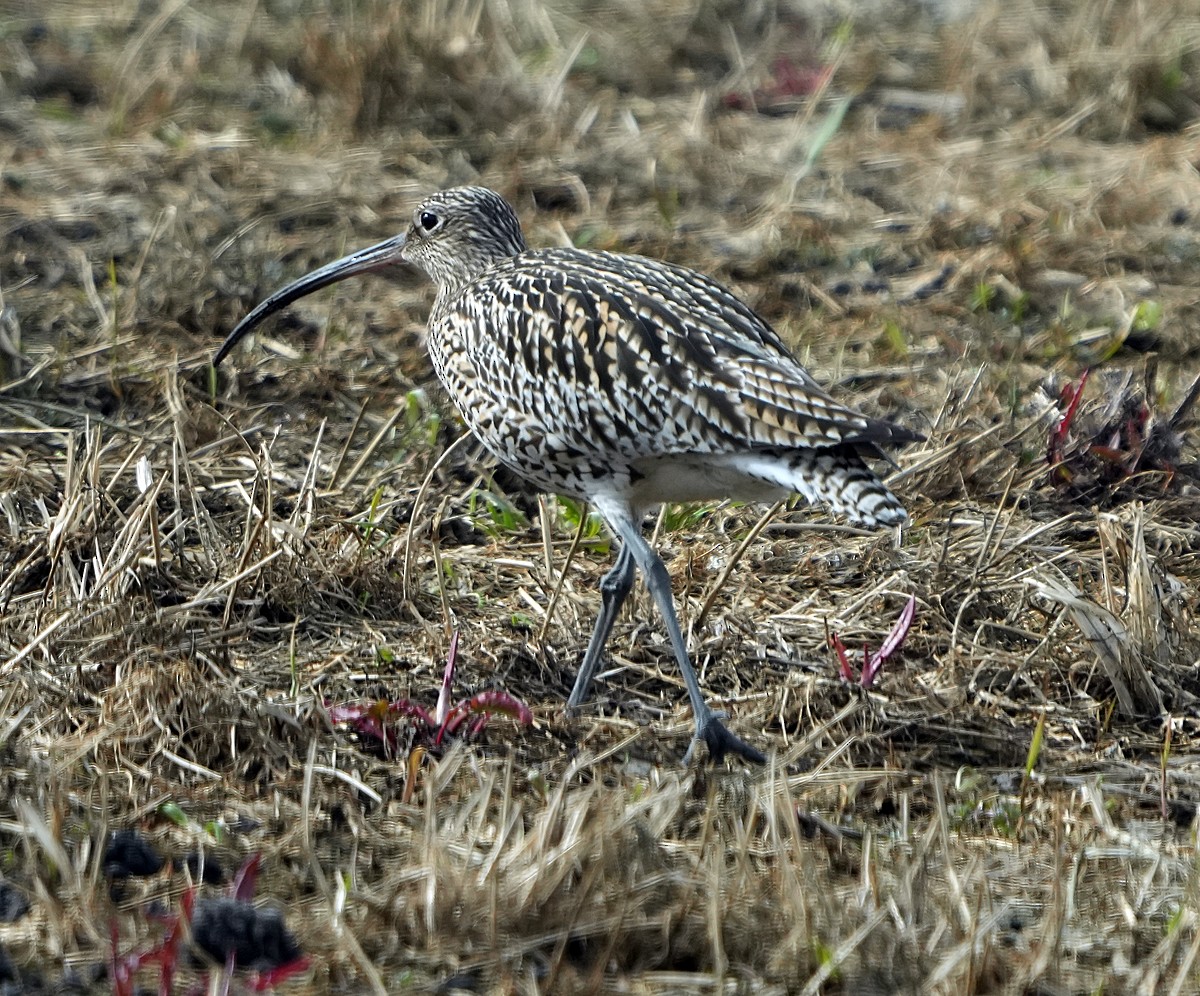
<point>721,742</point>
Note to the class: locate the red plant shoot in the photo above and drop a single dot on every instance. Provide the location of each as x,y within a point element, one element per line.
<point>873,663</point>
<point>373,719</point>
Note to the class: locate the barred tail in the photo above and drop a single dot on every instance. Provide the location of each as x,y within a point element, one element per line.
<point>837,477</point>
<point>842,480</point>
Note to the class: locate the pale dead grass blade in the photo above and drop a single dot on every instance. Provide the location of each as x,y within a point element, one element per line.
<point>835,959</point>
<point>572,550</point>
<point>365,457</point>
<point>1110,640</point>
<point>718,584</point>
<point>343,935</point>
<point>418,501</point>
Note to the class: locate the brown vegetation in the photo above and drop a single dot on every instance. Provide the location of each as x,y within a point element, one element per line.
<point>951,209</point>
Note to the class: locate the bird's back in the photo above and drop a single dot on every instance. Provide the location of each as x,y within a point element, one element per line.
<point>568,358</point>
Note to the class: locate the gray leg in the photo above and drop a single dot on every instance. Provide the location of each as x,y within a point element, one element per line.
<point>614,587</point>
<point>709,727</point>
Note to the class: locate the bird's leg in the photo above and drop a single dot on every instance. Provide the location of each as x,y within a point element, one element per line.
<point>709,727</point>
<point>614,587</point>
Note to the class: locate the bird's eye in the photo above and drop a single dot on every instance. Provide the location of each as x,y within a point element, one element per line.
<point>429,222</point>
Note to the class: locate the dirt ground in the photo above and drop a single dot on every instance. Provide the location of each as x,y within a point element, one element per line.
<point>955,212</point>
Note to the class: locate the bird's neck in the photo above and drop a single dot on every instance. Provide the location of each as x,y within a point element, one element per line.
<point>452,282</point>
<point>447,292</point>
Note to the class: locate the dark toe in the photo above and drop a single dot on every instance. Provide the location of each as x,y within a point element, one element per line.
<point>721,742</point>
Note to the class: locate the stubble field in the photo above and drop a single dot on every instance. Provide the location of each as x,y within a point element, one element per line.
<point>951,211</point>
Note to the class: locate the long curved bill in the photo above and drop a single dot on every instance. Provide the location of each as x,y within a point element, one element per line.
<point>376,257</point>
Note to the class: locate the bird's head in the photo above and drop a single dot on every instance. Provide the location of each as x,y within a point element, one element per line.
<point>455,235</point>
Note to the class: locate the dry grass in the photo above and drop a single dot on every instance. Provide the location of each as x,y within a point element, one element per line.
<point>191,568</point>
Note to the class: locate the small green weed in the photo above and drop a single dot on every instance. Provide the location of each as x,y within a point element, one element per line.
<point>494,514</point>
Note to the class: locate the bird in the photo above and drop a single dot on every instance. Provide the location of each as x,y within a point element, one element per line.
<point>626,382</point>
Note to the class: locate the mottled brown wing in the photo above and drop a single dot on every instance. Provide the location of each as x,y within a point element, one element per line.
<point>714,353</point>
<point>627,357</point>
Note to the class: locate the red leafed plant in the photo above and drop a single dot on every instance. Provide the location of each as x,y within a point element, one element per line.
<point>219,937</point>
<point>123,968</point>
<point>873,663</point>
<point>1069,402</point>
<point>789,78</point>
<point>375,719</point>
<point>1119,444</point>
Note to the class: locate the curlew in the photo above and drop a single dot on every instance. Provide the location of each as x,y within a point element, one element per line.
<point>623,381</point>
